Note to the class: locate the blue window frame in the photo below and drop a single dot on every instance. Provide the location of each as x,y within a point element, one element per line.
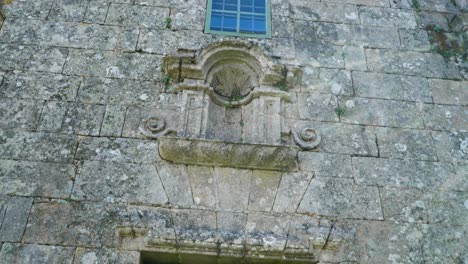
<point>249,18</point>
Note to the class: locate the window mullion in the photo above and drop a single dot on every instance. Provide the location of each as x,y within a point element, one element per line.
<point>238,15</point>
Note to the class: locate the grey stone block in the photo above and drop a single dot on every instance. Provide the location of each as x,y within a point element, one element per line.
<point>81,119</point>
<point>19,114</point>
<point>203,185</point>
<point>27,178</point>
<point>39,9</point>
<point>444,117</point>
<point>321,80</point>
<point>113,65</point>
<point>356,35</point>
<point>47,59</point>
<point>450,92</point>
<point>380,112</point>
<point>166,41</point>
<point>326,164</point>
<point>389,86</point>
<point>231,230</point>
<point>113,121</point>
<point>405,205</point>
<point>341,198</point>
<point>263,190</point>
<point>118,92</point>
<point>414,39</point>
<point>37,146</point>
<point>68,10</point>
<point>118,150</point>
<point>405,144</point>
<point>444,244</point>
<point>137,15</point>
<point>64,34</point>
<point>342,138</point>
<point>447,208</point>
<point>319,55</point>
<point>96,12</point>
<point>14,57</point>
<point>128,39</point>
<point>38,254</point>
<point>355,58</point>
<point>15,219</point>
<point>387,17</point>
<point>317,107</point>
<point>118,182</point>
<point>75,223</point>
<point>190,17</point>
<point>176,184</point>
<point>157,222</point>
<point>195,225</point>
<point>290,191</point>
<point>266,232</point>
<point>105,255</point>
<point>410,62</point>
<point>233,188</point>
<point>451,146</point>
<point>326,12</point>
<point>40,86</point>
<point>306,233</point>
<point>408,174</point>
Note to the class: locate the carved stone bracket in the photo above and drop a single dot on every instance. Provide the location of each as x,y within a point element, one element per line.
<point>218,153</point>
<point>307,138</point>
<point>155,127</point>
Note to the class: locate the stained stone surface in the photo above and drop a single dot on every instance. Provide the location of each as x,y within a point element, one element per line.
<point>80,183</point>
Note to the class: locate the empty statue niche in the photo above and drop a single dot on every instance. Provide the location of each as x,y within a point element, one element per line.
<point>174,258</point>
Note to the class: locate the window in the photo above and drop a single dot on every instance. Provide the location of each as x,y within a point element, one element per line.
<point>249,18</point>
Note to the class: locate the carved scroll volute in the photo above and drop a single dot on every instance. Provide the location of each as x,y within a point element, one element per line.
<point>307,139</point>
<point>155,127</point>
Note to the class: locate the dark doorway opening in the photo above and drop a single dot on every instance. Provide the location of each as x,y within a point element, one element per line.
<point>187,258</point>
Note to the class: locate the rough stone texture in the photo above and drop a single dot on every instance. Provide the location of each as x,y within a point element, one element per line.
<point>37,146</point>
<point>381,112</point>
<point>27,178</point>
<point>21,114</point>
<point>105,255</point>
<point>408,174</point>
<point>80,183</point>
<point>410,62</point>
<point>40,86</point>
<point>81,119</point>
<point>74,223</point>
<point>392,87</point>
<point>340,197</point>
<point>324,164</point>
<point>118,182</point>
<point>15,219</point>
<point>37,254</point>
<point>450,92</point>
<point>117,149</point>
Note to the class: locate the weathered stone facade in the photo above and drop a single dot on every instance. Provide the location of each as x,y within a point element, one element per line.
<point>345,141</point>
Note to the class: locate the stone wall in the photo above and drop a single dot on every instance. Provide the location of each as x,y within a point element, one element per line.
<point>79,183</point>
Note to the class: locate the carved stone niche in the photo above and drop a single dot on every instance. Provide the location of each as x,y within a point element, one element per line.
<point>231,96</point>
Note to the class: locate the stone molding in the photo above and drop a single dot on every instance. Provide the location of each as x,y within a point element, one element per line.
<point>222,154</point>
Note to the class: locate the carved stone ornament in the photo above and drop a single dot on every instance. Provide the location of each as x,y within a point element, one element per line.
<point>155,127</point>
<point>231,96</point>
<point>307,138</point>
<point>223,154</point>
